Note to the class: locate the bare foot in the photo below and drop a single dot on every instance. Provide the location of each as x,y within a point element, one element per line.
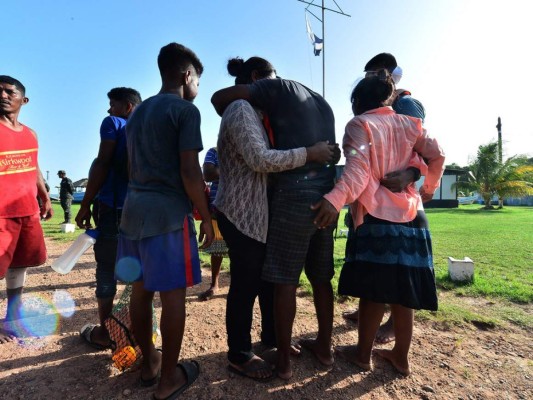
<point>402,366</point>
<point>352,316</point>
<point>256,368</point>
<point>100,336</point>
<point>325,357</point>
<point>385,332</point>
<point>6,335</point>
<point>283,366</point>
<point>349,353</point>
<point>296,349</point>
<point>270,354</point>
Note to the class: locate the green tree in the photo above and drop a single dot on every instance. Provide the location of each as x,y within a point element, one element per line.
<point>489,177</point>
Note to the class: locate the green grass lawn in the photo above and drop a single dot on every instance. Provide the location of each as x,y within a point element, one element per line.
<point>500,242</point>
<point>52,227</point>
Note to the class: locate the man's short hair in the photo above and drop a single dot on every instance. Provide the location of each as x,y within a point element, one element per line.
<point>382,60</point>
<point>61,171</point>
<point>176,56</point>
<point>125,95</point>
<point>15,82</point>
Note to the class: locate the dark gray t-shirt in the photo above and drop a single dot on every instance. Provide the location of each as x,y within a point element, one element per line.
<point>299,117</point>
<point>159,129</point>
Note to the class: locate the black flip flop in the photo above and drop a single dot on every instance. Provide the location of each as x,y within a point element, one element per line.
<point>191,369</point>
<point>151,381</point>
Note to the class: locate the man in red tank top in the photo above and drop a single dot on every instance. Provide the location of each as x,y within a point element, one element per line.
<point>21,182</point>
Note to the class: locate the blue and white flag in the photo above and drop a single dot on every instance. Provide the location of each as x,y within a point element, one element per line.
<point>318,43</point>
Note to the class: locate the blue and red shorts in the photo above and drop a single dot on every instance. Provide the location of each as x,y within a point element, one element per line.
<point>164,262</point>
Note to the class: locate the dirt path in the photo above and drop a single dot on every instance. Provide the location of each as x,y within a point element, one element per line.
<point>464,363</point>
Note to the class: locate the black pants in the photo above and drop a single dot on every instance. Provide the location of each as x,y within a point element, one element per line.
<point>246,264</point>
<point>65,205</point>
<point>105,250</point>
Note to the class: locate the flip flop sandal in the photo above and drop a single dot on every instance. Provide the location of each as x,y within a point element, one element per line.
<point>151,381</point>
<point>191,369</point>
<point>207,295</point>
<point>85,334</point>
<point>248,370</point>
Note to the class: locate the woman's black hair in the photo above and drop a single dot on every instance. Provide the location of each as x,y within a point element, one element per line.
<point>372,92</point>
<point>242,70</point>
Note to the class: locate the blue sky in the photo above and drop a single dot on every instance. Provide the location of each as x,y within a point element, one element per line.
<point>468,61</point>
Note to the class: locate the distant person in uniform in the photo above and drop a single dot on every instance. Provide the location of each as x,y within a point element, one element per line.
<point>21,236</point>
<point>66,194</point>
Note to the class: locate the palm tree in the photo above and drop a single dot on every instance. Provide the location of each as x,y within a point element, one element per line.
<point>490,177</point>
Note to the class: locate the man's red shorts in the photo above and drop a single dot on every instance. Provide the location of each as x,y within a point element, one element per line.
<point>21,243</point>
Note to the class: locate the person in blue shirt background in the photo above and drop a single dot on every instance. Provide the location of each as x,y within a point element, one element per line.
<point>218,249</point>
<point>108,179</point>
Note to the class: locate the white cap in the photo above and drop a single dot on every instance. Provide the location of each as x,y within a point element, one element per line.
<point>397,75</point>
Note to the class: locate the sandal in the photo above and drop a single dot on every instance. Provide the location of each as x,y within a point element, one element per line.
<point>207,295</point>
<point>151,381</point>
<point>85,334</point>
<point>191,370</point>
<point>252,366</point>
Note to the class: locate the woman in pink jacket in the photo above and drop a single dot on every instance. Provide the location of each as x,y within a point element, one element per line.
<point>393,257</point>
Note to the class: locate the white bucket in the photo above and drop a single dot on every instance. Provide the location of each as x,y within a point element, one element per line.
<point>66,228</point>
<point>461,270</point>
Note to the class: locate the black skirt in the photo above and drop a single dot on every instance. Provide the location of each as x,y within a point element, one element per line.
<point>393,264</point>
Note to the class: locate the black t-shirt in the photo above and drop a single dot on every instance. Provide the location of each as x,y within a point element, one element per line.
<point>66,189</point>
<point>299,117</point>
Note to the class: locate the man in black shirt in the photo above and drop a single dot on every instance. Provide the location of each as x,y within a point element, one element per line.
<point>66,191</point>
<point>298,117</point>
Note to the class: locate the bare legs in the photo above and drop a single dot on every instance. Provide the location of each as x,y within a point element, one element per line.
<point>285,311</point>
<point>403,330</point>
<point>99,334</point>
<point>216,263</point>
<point>370,315</point>
<point>172,328</point>
<point>14,299</point>
<point>385,332</point>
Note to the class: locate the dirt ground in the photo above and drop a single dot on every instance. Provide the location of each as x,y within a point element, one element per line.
<point>458,363</point>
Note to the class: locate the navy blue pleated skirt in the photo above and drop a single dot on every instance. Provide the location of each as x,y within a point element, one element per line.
<point>393,264</point>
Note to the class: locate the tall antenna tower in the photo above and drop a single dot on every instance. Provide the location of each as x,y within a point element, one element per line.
<point>322,20</point>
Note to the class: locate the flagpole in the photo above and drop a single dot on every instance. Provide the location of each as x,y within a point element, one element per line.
<point>323,8</point>
<point>323,54</point>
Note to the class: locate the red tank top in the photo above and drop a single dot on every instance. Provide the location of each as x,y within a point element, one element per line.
<point>18,172</point>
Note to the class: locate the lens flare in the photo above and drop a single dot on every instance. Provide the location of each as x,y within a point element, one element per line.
<point>37,317</point>
<point>64,303</point>
<point>128,269</point>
